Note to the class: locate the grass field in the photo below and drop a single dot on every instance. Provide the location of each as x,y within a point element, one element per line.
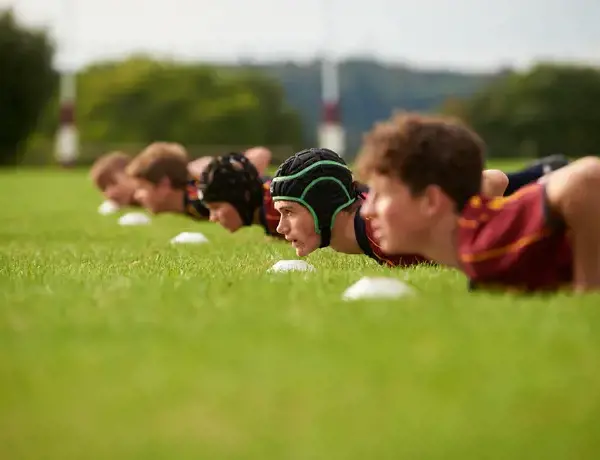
<point>116,345</point>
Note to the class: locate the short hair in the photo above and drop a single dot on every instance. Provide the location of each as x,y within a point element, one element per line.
<point>106,166</point>
<point>159,160</point>
<point>426,150</point>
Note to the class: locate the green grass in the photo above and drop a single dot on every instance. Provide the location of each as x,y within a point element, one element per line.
<point>116,345</point>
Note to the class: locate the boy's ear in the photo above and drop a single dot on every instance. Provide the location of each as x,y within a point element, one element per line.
<point>165,182</point>
<point>434,200</point>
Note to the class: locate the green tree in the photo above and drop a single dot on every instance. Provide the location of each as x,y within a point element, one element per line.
<point>27,81</point>
<point>140,100</point>
<point>549,109</point>
<point>97,86</point>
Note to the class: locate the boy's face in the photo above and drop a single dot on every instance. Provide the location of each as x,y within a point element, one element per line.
<point>120,189</point>
<point>225,215</point>
<point>400,220</point>
<point>153,197</point>
<point>296,223</point>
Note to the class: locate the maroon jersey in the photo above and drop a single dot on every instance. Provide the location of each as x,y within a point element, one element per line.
<point>368,244</point>
<point>512,243</point>
<point>192,206</point>
<point>269,216</point>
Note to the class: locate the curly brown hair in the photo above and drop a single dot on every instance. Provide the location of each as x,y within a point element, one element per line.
<point>425,150</point>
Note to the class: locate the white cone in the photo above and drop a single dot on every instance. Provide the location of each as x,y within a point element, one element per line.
<point>108,207</point>
<point>377,288</point>
<point>134,218</point>
<point>189,238</point>
<point>291,265</point>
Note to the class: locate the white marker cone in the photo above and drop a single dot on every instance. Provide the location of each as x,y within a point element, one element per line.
<point>189,238</point>
<point>291,265</point>
<point>134,218</point>
<point>108,207</point>
<point>377,288</point>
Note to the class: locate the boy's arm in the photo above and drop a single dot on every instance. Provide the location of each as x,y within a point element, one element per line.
<point>573,192</point>
<point>493,182</point>
<point>260,157</point>
<point>196,167</point>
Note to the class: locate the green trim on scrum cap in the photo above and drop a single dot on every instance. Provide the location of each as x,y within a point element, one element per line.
<point>303,202</point>
<point>305,170</point>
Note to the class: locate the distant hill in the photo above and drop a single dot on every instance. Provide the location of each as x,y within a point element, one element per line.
<point>370,91</point>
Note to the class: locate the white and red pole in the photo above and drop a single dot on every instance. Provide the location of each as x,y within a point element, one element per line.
<point>67,137</point>
<point>331,131</point>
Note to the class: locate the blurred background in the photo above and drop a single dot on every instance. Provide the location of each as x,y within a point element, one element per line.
<point>79,78</point>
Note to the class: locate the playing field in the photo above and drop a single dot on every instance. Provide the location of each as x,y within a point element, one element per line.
<point>116,345</point>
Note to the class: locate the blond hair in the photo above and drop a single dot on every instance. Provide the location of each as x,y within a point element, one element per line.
<point>159,160</point>
<point>106,166</point>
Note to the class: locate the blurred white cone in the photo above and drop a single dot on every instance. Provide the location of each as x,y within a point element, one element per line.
<point>189,238</point>
<point>134,218</point>
<point>377,288</point>
<point>291,265</point>
<point>108,207</point>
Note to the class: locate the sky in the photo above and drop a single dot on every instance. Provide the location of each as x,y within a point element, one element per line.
<point>456,34</point>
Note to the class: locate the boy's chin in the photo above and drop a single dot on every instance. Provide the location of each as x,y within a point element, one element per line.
<point>390,247</point>
<point>232,229</point>
<point>302,252</point>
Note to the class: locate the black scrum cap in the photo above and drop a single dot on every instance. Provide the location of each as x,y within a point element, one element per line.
<point>319,180</point>
<point>233,179</point>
